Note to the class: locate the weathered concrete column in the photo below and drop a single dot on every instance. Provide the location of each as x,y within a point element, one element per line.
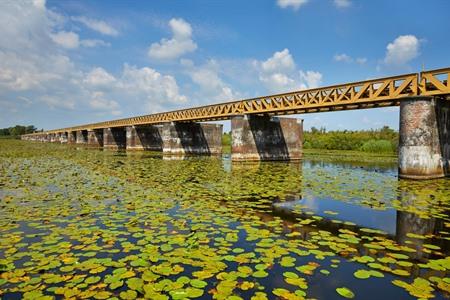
<point>53,138</point>
<point>144,137</point>
<point>81,137</point>
<point>71,137</point>
<point>95,138</point>
<point>63,137</point>
<point>191,138</point>
<point>114,138</point>
<point>424,146</point>
<point>266,138</point>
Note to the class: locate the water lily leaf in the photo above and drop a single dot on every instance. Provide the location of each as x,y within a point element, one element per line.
<point>260,274</point>
<point>116,284</point>
<point>345,292</point>
<point>362,274</point>
<point>92,279</point>
<point>197,283</point>
<point>290,275</point>
<point>128,295</point>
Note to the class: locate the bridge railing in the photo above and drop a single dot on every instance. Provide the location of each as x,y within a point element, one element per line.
<point>369,91</point>
<point>435,82</point>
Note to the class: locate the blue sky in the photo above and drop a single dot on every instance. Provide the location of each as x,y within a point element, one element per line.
<point>67,62</point>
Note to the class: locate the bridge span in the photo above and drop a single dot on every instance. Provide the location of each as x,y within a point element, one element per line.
<point>259,134</point>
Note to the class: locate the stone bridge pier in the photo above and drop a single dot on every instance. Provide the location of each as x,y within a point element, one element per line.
<point>180,138</point>
<point>95,138</point>
<point>424,145</point>
<point>114,138</point>
<point>266,138</point>
<point>71,137</point>
<point>81,137</point>
<point>63,138</point>
<point>147,137</point>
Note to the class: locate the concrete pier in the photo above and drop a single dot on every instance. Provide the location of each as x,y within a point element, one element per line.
<point>424,146</point>
<point>81,137</point>
<point>144,138</point>
<point>192,138</point>
<point>53,138</point>
<point>71,137</point>
<point>95,138</point>
<point>63,137</point>
<point>266,138</point>
<point>114,138</point>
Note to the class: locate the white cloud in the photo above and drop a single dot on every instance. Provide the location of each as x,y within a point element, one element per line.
<point>97,25</point>
<point>348,59</point>
<point>39,4</point>
<point>402,50</point>
<point>180,43</point>
<point>343,57</point>
<point>94,43</point>
<point>55,102</point>
<point>295,4</point>
<point>361,60</point>
<point>99,77</point>
<point>151,85</point>
<point>71,40</point>
<point>310,79</point>
<point>279,74</point>
<point>207,77</point>
<point>342,3</point>
<point>98,101</point>
<point>33,65</point>
<point>66,39</point>
<point>280,61</point>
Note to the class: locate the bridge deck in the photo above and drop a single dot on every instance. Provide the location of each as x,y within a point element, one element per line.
<point>380,92</point>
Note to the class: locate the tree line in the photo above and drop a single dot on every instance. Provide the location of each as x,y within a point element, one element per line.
<point>382,140</point>
<point>17,130</point>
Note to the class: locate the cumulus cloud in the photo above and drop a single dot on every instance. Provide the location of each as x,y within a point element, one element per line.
<point>402,50</point>
<point>281,61</point>
<point>348,59</point>
<point>342,3</point>
<point>207,78</point>
<point>97,25</point>
<point>152,85</point>
<point>71,40</point>
<point>310,79</point>
<point>361,60</point>
<point>294,4</point>
<point>279,73</point>
<point>94,43</point>
<point>34,65</point>
<point>99,102</point>
<point>68,40</point>
<point>180,43</point>
<point>99,77</point>
<point>343,57</point>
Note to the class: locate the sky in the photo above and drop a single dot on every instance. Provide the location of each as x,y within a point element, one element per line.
<point>65,63</point>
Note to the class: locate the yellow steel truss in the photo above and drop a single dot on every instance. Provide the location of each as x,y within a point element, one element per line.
<point>387,91</point>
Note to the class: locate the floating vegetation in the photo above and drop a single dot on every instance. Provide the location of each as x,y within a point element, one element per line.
<point>89,224</point>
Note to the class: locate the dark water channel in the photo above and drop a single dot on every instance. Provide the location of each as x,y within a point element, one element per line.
<point>89,224</point>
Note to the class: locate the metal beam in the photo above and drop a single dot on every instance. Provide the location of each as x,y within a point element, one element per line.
<point>388,91</point>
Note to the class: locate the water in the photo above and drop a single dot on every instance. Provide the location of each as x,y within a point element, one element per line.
<point>95,224</point>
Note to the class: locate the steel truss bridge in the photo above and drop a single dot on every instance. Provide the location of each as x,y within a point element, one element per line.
<point>381,92</point>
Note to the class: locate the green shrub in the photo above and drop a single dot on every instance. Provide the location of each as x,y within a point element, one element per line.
<point>377,146</point>
<point>356,140</point>
<point>226,139</point>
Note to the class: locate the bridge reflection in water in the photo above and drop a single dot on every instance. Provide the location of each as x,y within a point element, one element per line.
<point>258,133</point>
<point>404,217</point>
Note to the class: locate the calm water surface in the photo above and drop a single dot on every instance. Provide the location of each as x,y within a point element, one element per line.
<point>83,224</point>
